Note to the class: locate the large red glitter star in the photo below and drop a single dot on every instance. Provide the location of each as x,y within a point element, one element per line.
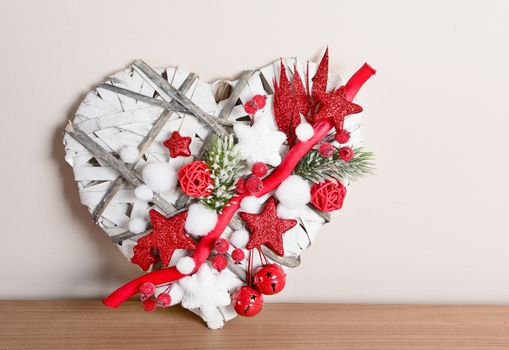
<point>266,228</point>
<point>335,107</point>
<point>178,145</point>
<point>167,236</point>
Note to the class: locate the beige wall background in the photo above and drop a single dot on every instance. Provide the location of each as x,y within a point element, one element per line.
<point>431,226</point>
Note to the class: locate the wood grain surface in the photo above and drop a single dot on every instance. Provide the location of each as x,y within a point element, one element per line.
<point>89,325</point>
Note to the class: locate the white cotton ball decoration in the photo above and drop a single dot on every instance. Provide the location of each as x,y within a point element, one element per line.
<point>159,176</point>
<point>144,193</point>
<point>286,213</point>
<point>239,238</point>
<point>200,219</point>
<point>294,192</point>
<point>186,265</point>
<point>128,154</point>
<point>137,225</point>
<point>251,204</point>
<point>304,131</point>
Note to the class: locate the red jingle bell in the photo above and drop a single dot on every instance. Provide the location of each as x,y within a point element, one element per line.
<point>270,279</point>
<point>247,301</point>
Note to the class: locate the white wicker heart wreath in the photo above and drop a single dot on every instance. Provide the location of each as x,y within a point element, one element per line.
<point>216,189</point>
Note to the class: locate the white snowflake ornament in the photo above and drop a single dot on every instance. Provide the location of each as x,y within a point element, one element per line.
<point>260,142</point>
<point>208,291</point>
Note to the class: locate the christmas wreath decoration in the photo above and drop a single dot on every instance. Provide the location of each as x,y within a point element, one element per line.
<point>216,189</point>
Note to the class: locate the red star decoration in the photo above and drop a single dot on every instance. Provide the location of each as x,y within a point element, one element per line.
<point>167,236</point>
<point>178,145</point>
<point>266,228</point>
<point>335,107</point>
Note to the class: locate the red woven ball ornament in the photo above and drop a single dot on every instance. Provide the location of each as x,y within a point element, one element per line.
<point>195,180</point>
<point>149,305</point>
<point>343,136</point>
<point>219,262</point>
<point>345,154</point>
<point>247,301</point>
<point>238,255</point>
<point>328,195</point>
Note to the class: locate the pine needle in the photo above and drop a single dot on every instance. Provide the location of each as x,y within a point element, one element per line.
<point>317,168</point>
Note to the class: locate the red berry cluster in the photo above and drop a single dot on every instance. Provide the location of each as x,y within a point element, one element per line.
<point>345,153</point>
<point>253,183</point>
<point>220,262</point>
<point>255,104</point>
<point>147,291</point>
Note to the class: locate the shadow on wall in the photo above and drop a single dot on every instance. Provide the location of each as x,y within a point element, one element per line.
<point>114,268</point>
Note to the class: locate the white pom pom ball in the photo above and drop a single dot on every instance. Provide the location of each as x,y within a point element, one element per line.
<point>160,177</point>
<point>239,238</point>
<point>294,192</point>
<point>144,193</point>
<point>137,225</point>
<point>200,220</point>
<point>185,265</point>
<point>251,204</point>
<point>128,154</point>
<point>286,213</point>
<point>304,131</point>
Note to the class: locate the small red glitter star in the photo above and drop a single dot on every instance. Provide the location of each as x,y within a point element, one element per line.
<point>266,228</point>
<point>178,145</point>
<point>335,106</point>
<point>167,236</point>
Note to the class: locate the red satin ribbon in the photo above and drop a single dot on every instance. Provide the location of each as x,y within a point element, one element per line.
<point>270,183</point>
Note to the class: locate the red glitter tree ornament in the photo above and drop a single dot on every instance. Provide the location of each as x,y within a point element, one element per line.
<point>322,75</point>
<point>195,180</point>
<point>167,236</point>
<point>267,228</point>
<point>328,196</point>
<point>286,114</point>
<point>178,145</point>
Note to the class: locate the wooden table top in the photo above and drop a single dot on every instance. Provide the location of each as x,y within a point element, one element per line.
<point>87,324</point>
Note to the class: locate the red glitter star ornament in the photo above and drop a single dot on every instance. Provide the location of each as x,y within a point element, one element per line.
<point>266,228</point>
<point>335,107</point>
<point>178,145</point>
<point>167,236</point>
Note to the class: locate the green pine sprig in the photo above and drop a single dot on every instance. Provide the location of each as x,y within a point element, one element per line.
<point>224,162</point>
<point>317,168</point>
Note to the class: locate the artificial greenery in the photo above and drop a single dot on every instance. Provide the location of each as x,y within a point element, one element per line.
<point>317,168</point>
<point>224,162</point>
